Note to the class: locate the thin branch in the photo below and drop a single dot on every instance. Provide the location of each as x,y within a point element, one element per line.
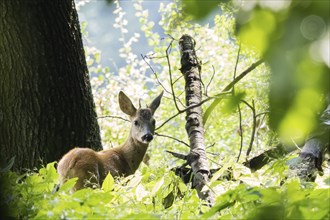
<point>262,113</point>
<point>209,83</point>
<point>239,108</point>
<point>152,70</point>
<point>151,56</point>
<point>179,100</point>
<point>230,86</point>
<point>241,132</point>
<point>247,104</point>
<point>170,73</point>
<point>116,117</point>
<point>178,155</point>
<point>213,161</point>
<point>190,107</point>
<point>211,145</point>
<point>167,136</point>
<point>177,79</point>
<point>254,124</point>
<point>236,64</point>
<point>214,154</point>
<point>244,73</point>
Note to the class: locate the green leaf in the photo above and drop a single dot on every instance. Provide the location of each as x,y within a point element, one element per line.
<point>68,185</point>
<point>108,183</point>
<point>82,194</point>
<point>220,172</point>
<point>232,102</point>
<point>294,192</point>
<point>141,216</point>
<point>200,9</point>
<point>168,200</point>
<point>157,186</point>
<point>97,57</point>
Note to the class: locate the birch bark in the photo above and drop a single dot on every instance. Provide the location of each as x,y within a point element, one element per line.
<point>191,69</point>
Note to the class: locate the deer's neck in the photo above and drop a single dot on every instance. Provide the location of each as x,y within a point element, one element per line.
<point>133,152</point>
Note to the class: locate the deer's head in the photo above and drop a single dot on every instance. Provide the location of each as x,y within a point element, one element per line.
<point>143,122</point>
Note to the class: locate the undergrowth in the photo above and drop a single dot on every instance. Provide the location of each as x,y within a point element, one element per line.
<point>160,194</point>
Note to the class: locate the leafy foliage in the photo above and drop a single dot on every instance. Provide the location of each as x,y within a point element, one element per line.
<point>160,194</point>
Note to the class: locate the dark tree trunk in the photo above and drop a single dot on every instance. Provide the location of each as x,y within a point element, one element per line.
<point>191,68</point>
<point>46,103</point>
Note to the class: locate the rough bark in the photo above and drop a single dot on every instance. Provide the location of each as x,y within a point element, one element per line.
<point>310,158</point>
<point>46,103</point>
<point>197,159</point>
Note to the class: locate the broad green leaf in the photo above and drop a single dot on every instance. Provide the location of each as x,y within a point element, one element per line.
<point>271,196</point>
<point>157,186</point>
<point>141,216</point>
<point>200,9</point>
<point>232,102</point>
<point>294,192</point>
<point>108,183</point>
<point>68,185</point>
<point>220,172</point>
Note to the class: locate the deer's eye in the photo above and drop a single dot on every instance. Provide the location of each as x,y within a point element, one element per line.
<point>136,123</point>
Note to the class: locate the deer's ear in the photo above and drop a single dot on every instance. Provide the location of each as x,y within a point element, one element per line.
<point>126,104</point>
<point>156,102</point>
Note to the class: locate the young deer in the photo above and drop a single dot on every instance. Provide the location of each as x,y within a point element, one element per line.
<point>86,164</point>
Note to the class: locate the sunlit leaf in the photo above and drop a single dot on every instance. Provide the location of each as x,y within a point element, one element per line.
<point>68,185</point>
<point>97,57</point>
<point>157,186</point>
<point>108,183</point>
<point>200,9</point>
<point>142,216</point>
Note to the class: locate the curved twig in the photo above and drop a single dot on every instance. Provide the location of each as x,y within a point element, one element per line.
<point>170,73</point>
<point>116,117</point>
<point>153,71</point>
<point>167,136</point>
<point>254,124</point>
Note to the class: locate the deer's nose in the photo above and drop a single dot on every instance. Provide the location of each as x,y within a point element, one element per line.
<point>147,137</point>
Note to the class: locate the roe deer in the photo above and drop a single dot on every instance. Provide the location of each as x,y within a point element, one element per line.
<point>87,164</point>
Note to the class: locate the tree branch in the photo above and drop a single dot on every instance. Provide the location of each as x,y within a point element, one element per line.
<point>178,155</point>
<point>152,70</point>
<point>190,107</point>
<point>254,125</point>
<point>229,87</point>
<point>170,73</point>
<point>240,132</point>
<point>209,83</point>
<point>167,136</point>
<point>111,116</point>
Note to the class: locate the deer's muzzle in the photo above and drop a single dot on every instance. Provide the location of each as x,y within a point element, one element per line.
<point>147,137</point>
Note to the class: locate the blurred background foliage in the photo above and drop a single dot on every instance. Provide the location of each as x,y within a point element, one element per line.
<point>293,37</point>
